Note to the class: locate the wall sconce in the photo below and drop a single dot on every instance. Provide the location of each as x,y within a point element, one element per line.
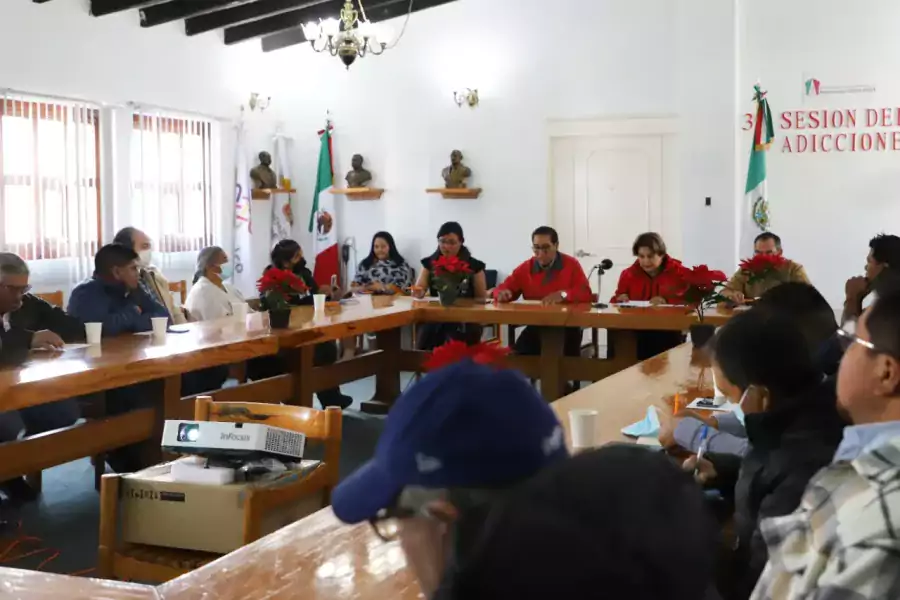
<point>257,102</point>
<point>469,97</point>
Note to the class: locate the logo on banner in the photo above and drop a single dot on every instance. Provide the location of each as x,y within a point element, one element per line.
<point>813,87</point>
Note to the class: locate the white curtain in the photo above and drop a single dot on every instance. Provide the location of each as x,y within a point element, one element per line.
<point>171,175</point>
<point>50,193</point>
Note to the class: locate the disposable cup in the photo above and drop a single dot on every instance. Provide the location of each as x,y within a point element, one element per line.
<point>319,302</point>
<point>160,324</point>
<point>583,427</point>
<point>92,332</point>
<point>239,310</point>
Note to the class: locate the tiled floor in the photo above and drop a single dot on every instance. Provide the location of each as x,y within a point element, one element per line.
<point>58,533</point>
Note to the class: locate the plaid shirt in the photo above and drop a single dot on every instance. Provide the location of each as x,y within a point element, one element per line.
<point>843,542</point>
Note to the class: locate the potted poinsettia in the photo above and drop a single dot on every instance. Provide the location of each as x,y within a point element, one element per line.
<point>763,266</point>
<point>447,274</point>
<point>702,290</point>
<point>276,286</point>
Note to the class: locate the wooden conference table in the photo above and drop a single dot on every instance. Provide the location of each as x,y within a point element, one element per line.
<point>318,558</point>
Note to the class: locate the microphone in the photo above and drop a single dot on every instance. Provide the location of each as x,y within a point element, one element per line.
<point>606,264</point>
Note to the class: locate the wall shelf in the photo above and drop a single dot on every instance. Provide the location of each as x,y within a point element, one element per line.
<point>456,194</point>
<point>267,194</point>
<point>362,193</point>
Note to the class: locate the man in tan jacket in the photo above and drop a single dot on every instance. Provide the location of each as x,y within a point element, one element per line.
<point>739,286</point>
<point>151,278</point>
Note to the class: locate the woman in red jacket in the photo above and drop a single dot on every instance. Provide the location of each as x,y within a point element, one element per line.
<point>657,277</point>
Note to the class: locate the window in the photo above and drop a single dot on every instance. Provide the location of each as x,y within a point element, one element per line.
<point>171,181</point>
<point>50,174</point>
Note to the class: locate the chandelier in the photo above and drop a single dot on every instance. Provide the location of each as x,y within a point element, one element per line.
<point>347,37</point>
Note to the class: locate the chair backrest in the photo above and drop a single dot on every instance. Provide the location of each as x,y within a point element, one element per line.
<point>490,278</point>
<point>179,287</point>
<point>54,298</point>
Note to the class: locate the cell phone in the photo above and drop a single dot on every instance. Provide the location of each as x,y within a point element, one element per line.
<point>706,402</point>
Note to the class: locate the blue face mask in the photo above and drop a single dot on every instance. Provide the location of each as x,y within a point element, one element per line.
<point>738,411</point>
<point>227,272</point>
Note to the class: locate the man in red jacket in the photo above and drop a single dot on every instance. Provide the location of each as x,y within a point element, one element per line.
<point>551,277</point>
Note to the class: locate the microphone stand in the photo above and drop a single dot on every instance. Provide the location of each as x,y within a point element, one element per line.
<point>600,272</point>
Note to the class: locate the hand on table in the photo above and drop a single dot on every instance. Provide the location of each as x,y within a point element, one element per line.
<point>46,340</point>
<point>657,300</point>
<point>417,292</point>
<point>554,298</point>
<point>622,298</point>
<point>734,295</point>
<point>376,286</point>
<point>704,474</point>
<point>504,296</point>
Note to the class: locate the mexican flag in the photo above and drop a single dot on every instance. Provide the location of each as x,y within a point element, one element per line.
<point>755,209</point>
<point>245,274</point>
<point>322,218</point>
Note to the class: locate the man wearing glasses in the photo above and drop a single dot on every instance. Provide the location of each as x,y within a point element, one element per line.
<point>842,540</point>
<point>453,443</point>
<point>30,323</point>
<point>551,277</point>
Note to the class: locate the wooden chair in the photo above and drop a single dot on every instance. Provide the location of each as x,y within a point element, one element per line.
<point>180,288</point>
<point>54,298</point>
<point>158,564</point>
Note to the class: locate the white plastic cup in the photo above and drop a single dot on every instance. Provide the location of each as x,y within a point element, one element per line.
<point>718,397</point>
<point>240,310</point>
<point>319,302</point>
<point>583,427</point>
<point>160,324</point>
<point>365,300</point>
<point>93,332</point>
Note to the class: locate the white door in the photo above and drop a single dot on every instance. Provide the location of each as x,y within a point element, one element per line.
<point>606,191</point>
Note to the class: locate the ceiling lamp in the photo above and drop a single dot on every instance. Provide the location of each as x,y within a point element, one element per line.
<point>347,37</point>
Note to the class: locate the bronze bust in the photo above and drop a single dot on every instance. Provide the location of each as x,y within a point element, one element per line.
<point>456,174</point>
<point>358,177</point>
<point>262,175</point>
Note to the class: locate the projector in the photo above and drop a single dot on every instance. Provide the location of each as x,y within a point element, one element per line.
<point>242,441</point>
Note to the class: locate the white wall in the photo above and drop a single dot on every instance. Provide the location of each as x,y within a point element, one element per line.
<point>826,206</point>
<point>580,60</point>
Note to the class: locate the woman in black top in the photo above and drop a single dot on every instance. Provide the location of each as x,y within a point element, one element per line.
<point>451,242</point>
<point>287,254</point>
<point>762,360</point>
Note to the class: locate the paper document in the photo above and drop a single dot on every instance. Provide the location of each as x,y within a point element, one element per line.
<point>65,348</point>
<point>643,304</point>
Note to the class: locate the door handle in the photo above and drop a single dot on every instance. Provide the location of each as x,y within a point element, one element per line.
<point>582,254</point>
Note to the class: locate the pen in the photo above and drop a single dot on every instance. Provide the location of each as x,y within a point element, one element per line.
<point>677,405</point>
<point>704,432</point>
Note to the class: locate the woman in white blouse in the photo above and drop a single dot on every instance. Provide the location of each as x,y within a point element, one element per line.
<point>209,297</point>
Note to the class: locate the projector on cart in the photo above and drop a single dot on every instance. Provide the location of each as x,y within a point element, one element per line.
<point>232,441</point>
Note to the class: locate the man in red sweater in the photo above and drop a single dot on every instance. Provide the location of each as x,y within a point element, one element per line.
<point>551,277</point>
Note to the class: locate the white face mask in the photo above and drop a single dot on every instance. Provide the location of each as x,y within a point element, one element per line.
<point>144,257</point>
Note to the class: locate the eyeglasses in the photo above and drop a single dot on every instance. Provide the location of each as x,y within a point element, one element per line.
<point>17,289</point>
<point>542,247</point>
<point>851,338</point>
<point>448,242</point>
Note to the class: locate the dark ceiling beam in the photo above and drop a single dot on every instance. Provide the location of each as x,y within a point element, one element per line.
<point>182,9</point>
<point>376,12</point>
<point>40,1</point>
<point>241,14</point>
<point>288,20</point>
<point>100,8</point>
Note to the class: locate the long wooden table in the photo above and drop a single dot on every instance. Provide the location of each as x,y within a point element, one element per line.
<point>318,558</point>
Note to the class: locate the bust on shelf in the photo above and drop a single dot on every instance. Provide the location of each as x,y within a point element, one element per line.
<point>456,174</point>
<point>358,177</point>
<point>262,175</point>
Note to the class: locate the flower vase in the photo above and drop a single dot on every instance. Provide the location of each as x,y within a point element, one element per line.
<point>448,297</point>
<point>280,318</point>
<point>701,334</point>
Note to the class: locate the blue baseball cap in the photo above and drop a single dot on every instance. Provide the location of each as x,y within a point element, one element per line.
<point>466,425</point>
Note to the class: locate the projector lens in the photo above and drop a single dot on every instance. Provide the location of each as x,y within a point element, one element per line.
<point>188,432</point>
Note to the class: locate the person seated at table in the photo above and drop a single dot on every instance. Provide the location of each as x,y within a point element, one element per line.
<point>151,279</point>
<point>608,523</point>
<point>762,362</point>
<point>455,441</point>
<point>808,309</point>
<point>739,287</point>
<point>30,323</point>
<point>655,277</point>
<point>882,267</point>
<point>551,277</point>
<point>451,242</point>
<point>384,270</point>
<point>210,297</point>
<point>841,542</point>
<point>288,255</point>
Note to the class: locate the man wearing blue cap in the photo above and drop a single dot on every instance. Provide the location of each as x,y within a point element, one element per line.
<point>452,444</point>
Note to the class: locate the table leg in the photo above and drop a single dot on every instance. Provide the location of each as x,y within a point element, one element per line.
<point>552,349</point>
<point>169,406</point>
<point>301,362</point>
<point>624,347</point>
<point>387,380</point>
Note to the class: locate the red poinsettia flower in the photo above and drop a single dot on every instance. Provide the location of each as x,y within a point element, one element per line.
<point>280,280</point>
<point>762,264</point>
<point>701,288</point>
<point>450,265</point>
<point>703,278</point>
<point>455,351</point>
